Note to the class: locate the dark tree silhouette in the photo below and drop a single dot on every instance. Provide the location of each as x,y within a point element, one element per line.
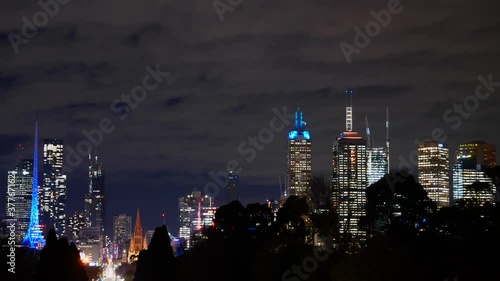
<point>479,192</point>
<point>324,218</point>
<point>231,217</point>
<point>399,206</point>
<point>321,193</point>
<point>157,262</point>
<point>291,219</point>
<point>59,261</point>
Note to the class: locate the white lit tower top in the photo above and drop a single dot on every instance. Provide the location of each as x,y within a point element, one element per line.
<point>348,112</point>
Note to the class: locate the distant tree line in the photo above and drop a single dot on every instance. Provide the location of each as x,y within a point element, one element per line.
<point>408,238</point>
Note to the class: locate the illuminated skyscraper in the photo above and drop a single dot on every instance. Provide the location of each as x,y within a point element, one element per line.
<point>196,212</point>
<point>122,231</point>
<point>95,202</point>
<point>377,157</point>
<point>232,187</point>
<point>471,159</point>
<point>299,157</point>
<point>433,171</point>
<point>76,223</point>
<point>34,237</point>
<point>53,195</point>
<point>19,196</point>
<point>349,181</point>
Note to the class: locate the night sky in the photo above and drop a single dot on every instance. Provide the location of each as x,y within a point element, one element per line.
<point>225,79</point>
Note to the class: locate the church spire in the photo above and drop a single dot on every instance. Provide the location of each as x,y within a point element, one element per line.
<point>138,221</point>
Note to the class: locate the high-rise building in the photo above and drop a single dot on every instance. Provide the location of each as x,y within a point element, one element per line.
<point>53,194</point>
<point>377,164</point>
<point>95,202</point>
<point>19,196</point>
<point>122,228</point>
<point>34,236</point>
<point>433,171</point>
<point>122,231</point>
<point>349,181</point>
<point>299,158</point>
<point>137,240</point>
<point>471,160</point>
<point>76,223</point>
<point>232,187</point>
<point>377,157</point>
<point>196,212</point>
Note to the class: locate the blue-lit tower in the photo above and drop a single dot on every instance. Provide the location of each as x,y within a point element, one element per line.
<point>34,237</point>
<point>299,157</point>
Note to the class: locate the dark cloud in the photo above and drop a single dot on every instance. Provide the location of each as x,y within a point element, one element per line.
<point>82,105</point>
<point>379,91</point>
<point>7,83</point>
<point>172,102</point>
<point>9,143</point>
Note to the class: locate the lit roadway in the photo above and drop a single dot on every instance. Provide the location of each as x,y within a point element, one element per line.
<point>109,273</point>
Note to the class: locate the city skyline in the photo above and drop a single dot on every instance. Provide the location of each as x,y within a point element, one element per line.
<point>225,79</point>
<point>172,224</point>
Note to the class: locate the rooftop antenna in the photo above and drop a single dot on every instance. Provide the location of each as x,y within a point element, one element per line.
<point>21,152</point>
<point>387,138</point>
<point>348,110</point>
<point>368,134</point>
<point>281,187</point>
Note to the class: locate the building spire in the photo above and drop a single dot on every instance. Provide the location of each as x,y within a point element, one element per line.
<point>348,110</point>
<point>34,237</point>
<point>137,220</point>
<point>21,152</point>
<point>387,138</point>
<point>299,122</point>
<point>368,134</point>
<point>145,244</point>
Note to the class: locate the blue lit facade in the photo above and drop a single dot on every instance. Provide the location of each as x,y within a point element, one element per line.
<point>34,237</point>
<point>299,157</point>
<point>299,131</point>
